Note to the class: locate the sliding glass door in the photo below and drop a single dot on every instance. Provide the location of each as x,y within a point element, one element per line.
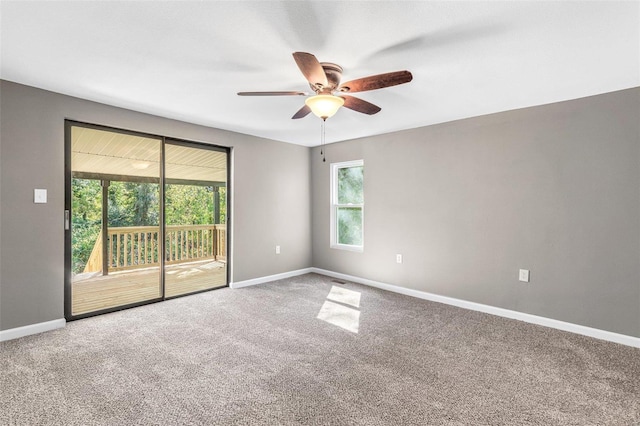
<point>145,219</point>
<point>114,219</point>
<point>195,218</point>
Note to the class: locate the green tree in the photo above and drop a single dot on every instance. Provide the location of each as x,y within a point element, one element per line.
<point>86,205</point>
<point>135,204</point>
<point>146,207</point>
<point>192,205</point>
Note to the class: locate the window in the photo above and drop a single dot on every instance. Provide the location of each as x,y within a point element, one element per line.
<point>347,205</point>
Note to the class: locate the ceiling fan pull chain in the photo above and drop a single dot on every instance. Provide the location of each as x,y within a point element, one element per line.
<point>322,139</point>
<point>321,136</point>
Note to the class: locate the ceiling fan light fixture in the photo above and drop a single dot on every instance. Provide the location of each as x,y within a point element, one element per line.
<point>324,106</point>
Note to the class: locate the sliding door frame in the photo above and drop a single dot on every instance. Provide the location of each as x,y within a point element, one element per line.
<point>163,140</point>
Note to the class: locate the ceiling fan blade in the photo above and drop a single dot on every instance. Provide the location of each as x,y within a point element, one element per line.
<point>302,112</point>
<point>311,68</point>
<point>291,93</point>
<point>376,81</point>
<point>360,105</point>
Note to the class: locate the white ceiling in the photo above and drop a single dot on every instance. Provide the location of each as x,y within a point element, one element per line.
<point>187,60</point>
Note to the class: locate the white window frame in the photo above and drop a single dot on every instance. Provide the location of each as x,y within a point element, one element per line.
<point>334,206</point>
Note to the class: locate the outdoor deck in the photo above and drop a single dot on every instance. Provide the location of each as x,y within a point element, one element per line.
<point>93,291</point>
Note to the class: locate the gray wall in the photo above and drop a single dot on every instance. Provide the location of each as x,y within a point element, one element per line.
<point>270,189</point>
<point>554,189</point>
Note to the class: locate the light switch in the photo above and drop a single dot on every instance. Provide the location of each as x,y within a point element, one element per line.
<point>39,196</point>
<point>524,275</point>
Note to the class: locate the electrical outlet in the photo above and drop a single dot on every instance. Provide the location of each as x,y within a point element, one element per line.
<point>398,258</point>
<point>524,275</point>
<point>277,249</point>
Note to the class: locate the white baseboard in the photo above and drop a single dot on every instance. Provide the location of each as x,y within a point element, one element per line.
<point>270,278</point>
<point>27,330</point>
<point>501,312</point>
<point>623,339</point>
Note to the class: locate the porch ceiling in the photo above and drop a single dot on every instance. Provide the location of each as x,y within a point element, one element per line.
<point>109,153</point>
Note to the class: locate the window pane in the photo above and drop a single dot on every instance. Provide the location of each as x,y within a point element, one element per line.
<point>121,265</point>
<point>350,225</point>
<point>350,185</point>
<point>195,215</point>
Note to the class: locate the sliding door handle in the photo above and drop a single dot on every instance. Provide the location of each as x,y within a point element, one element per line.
<point>66,220</point>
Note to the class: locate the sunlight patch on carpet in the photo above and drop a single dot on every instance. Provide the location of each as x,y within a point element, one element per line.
<point>344,295</point>
<point>340,315</point>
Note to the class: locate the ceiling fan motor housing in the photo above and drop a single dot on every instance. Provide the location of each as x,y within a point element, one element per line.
<point>333,73</point>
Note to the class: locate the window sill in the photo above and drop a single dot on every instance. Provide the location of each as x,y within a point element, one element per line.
<point>347,247</point>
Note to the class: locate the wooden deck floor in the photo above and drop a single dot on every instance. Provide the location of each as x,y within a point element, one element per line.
<point>94,292</point>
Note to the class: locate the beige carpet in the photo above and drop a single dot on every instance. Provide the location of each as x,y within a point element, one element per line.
<point>307,350</point>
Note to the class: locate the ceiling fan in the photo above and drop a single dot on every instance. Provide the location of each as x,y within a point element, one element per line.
<point>324,80</point>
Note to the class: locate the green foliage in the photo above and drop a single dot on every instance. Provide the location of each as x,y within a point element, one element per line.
<point>350,185</point>
<point>87,220</point>
<point>350,226</point>
<point>350,191</point>
<point>191,205</point>
<point>223,205</point>
<point>135,204</point>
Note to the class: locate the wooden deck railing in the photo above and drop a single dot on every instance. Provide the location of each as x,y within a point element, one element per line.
<point>94,263</point>
<point>135,247</point>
